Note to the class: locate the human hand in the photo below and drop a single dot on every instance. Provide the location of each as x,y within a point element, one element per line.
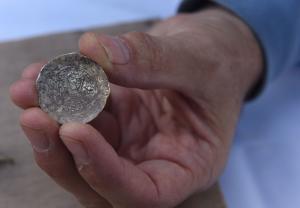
<point>169,123</point>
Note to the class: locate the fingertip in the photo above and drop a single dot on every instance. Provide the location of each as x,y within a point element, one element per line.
<point>23,93</point>
<point>35,118</point>
<point>87,44</point>
<point>79,141</point>
<point>69,128</point>
<point>91,47</point>
<point>76,131</point>
<point>84,134</point>
<point>32,71</point>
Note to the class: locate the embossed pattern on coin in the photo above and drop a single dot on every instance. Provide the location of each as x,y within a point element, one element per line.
<point>72,88</point>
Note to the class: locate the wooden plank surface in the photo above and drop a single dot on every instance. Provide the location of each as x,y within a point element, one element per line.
<point>22,184</point>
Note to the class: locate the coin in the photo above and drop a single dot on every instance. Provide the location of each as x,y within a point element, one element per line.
<point>72,88</point>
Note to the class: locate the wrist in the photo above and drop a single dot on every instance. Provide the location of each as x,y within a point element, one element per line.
<point>210,12</point>
<point>237,65</point>
<point>250,58</point>
<point>241,63</point>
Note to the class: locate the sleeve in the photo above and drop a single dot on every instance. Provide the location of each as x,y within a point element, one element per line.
<point>275,23</point>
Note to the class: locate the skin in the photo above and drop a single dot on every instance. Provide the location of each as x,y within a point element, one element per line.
<point>167,129</point>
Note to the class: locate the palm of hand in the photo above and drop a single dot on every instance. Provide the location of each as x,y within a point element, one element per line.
<point>160,134</point>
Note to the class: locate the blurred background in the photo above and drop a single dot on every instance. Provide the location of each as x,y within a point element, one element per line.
<point>264,169</point>
<point>19,19</point>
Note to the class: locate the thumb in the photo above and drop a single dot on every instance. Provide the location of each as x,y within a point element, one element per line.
<point>135,59</point>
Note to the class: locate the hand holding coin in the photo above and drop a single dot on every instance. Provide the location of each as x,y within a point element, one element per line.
<point>175,99</point>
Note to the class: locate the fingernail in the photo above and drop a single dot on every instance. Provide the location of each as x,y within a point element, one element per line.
<point>38,140</point>
<point>116,49</point>
<point>93,45</point>
<point>77,149</point>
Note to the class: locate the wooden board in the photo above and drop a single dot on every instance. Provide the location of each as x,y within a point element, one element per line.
<point>22,184</point>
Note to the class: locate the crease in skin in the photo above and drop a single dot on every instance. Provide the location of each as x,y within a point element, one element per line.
<point>168,108</point>
<point>201,132</point>
<point>155,184</point>
<point>78,150</point>
<point>117,50</point>
<point>191,118</point>
<point>45,138</point>
<point>81,167</point>
<point>163,184</point>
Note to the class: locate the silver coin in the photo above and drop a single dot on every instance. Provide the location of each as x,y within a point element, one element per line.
<point>72,88</point>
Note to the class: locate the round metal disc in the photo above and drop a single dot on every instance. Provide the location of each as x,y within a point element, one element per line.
<point>72,88</point>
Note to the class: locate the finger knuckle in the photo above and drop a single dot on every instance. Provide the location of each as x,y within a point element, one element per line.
<point>139,37</point>
<point>145,49</point>
<point>90,176</point>
<point>178,19</point>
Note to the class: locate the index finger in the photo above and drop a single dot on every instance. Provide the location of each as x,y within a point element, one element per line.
<point>32,71</point>
<point>23,92</point>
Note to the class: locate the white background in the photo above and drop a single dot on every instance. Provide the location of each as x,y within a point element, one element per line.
<point>24,18</point>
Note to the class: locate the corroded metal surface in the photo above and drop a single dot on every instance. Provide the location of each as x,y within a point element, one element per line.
<point>72,88</point>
